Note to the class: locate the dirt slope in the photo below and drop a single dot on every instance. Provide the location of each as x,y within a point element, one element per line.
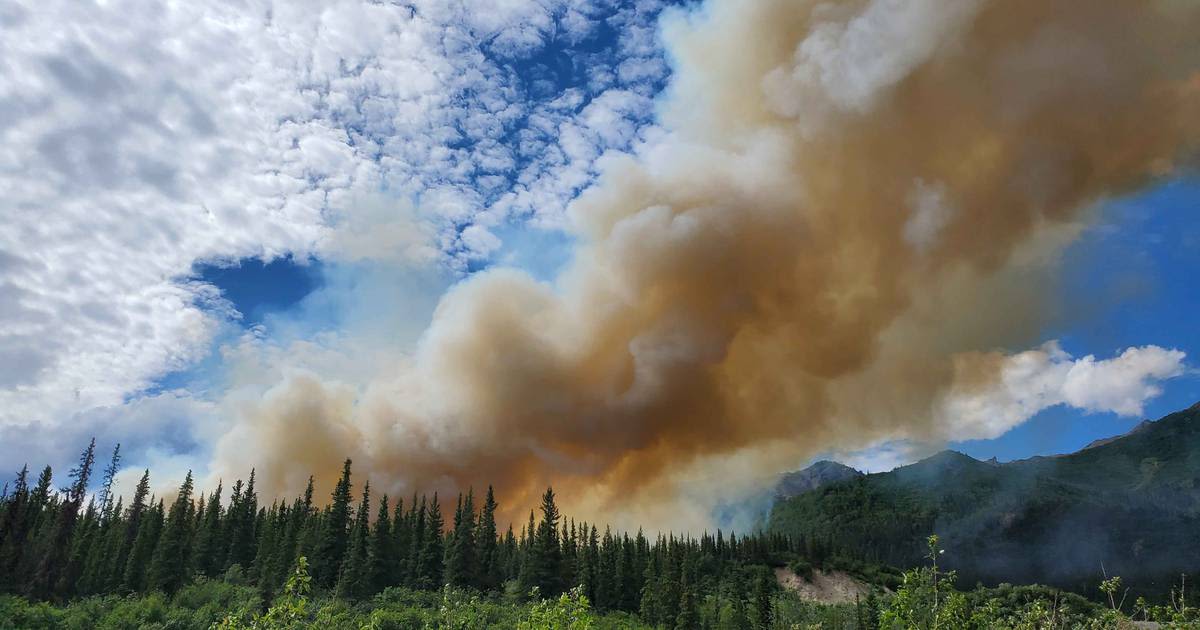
<point>834,587</point>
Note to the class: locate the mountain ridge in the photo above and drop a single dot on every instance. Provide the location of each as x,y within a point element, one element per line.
<point>1131,502</point>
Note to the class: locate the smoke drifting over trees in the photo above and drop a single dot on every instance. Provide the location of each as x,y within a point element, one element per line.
<point>845,211</point>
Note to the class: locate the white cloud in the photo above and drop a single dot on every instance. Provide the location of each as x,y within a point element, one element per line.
<point>139,138</point>
<point>1034,380</point>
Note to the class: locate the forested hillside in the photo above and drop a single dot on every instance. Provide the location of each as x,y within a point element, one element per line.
<point>58,546</point>
<point>70,558</point>
<point>1128,506</point>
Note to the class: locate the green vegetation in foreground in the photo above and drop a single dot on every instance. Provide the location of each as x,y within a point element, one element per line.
<point>926,599</point>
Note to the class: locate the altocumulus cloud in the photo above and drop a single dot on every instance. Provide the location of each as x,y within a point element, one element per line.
<point>141,138</point>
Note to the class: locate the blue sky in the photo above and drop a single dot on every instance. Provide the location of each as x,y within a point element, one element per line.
<point>206,210</point>
<point>1129,281</point>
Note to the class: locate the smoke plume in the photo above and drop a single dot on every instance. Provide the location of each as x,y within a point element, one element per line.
<point>846,209</point>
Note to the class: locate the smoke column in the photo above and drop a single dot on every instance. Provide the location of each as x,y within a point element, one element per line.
<point>847,209</point>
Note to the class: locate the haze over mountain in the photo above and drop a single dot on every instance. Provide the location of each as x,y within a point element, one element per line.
<point>1129,505</point>
<point>817,475</point>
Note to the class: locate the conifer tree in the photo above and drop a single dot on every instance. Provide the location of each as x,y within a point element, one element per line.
<point>763,608</point>
<point>489,568</point>
<point>240,527</point>
<point>14,529</point>
<point>651,608</point>
<point>335,535</point>
<point>509,561</point>
<point>97,572</point>
<point>133,522</point>
<point>739,617</point>
<point>381,557</point>
<point>270,538</point>
<point>208,536</point>
<point>624,577</point>
<point>417,534</point>
<point>105,496</point>
<point>432,552</point>
<point>56,552</point>
<point>589,556</point>
<point>149,528</point>
<point>544,557</point>
<point>169,566</point>
<point>353,580</point>
<point>461,564</point>
<point>40,500</point>
<point>871,610</point>
<point>688,617</point>
<point>401,544</point>
<point>82,544</point>
<point>310,524</point>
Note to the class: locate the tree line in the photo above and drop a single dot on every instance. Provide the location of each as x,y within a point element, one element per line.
<point>62,544</point>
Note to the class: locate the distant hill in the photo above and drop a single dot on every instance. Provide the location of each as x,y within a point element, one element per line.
<point>816,476</point>
<point>1130,503</point>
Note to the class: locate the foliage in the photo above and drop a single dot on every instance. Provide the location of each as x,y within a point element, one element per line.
<point>571,611</point>
<point>199,564</point>
<point>1129,503</point>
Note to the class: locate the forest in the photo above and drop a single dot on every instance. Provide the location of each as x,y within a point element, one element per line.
<point>74,558</point>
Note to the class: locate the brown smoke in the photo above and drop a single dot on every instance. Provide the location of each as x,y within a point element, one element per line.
<point>846,197</point>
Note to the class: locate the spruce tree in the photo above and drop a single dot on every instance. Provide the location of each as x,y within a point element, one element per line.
<point>688,616</point>
<point>432,552</point>
<point>208,537</point>
<point>607,594</point>
<point>871,610</point>
<point>169,566</point>
<point>100,561</point>
<point>140,554</point>
<point>133,522</point>
<point>461,565</point>
<point>56,553</point>
<point>739,617</point>
<point>381,557</point>
<point>105,497</point>
<point>353,581</point>
<point>242,519</point>
<point>545,556</point>
<point>335,535</point>
<point>311,525</point>
<point>624,583</point>
<point>651,608</point>
<point>83,543</point>
<point>40,501</point>
<point>417,533</point>
<point>489,568</point>
<point>763,608</point>
<point>14,529</point>
<point>270,539</point>
<point>589,557</point>
<point>401,544</point>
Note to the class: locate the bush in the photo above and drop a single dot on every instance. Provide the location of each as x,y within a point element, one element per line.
<point>802,568</point>
<point>569,612</point>
<point>18,614</point>
<point>213,599</point>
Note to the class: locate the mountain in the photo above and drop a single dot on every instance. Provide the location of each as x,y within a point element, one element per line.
<point>1129,504</point>
<point>816,476</point>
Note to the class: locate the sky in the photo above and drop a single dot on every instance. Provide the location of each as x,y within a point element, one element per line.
<point>202,199</point>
